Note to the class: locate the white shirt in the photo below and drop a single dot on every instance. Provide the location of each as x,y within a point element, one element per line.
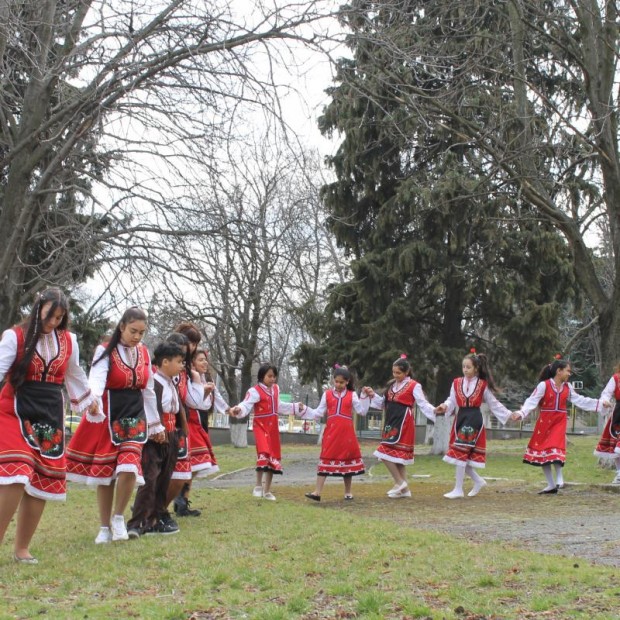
<point>583,402</point>
<point>378,402</point>
<point>252,397</point>
<point>47,347</point>
<point>469,385</point>
<point>360,405</point>
<point>99,375</point>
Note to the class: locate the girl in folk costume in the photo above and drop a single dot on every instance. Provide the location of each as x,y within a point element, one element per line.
<point>468,436</point>
<point>608,446</point>
<point>548,443</point>
<point>36,358</point>
<point>398,436</point>
<point>264,399</point>
<point>340,450</point>
<point>201,457</point>
<point>106,451</point>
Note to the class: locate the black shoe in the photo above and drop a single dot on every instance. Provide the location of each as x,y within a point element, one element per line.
<point>312,496</point>
<point>548,491</point>
<point>180,504</point>
<point>186,511</point>
<point>134,532</point>
<point>164,527</point>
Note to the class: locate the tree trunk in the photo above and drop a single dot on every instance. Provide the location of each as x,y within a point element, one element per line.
<point>441,434</point>
<point>239,433</point>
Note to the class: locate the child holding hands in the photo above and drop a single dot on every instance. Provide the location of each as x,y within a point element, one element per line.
<point>340,450</point>
<point>264,399</point>
<point>468,436</point>
<point>548,443</point>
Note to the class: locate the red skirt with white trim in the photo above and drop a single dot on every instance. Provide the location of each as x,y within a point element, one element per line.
<point>609,444</point>
<point>340,449</point>
<point>548,442</point>
<point>202,458</point>
<point>93,459</point>
<point>42,477</point>
<point>267,439</point>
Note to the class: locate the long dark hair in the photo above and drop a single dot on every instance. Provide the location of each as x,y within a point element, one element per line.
<point>550,370</point>
<point>346,374</point>
<point>197,352</point>
<point>129,316</point>
<point>193,335</point>
<point>33,328</point>
<point>481,364</point>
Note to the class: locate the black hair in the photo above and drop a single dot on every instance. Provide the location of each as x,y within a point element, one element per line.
<point>346,374</point>
<point>33,328</point>
<point>166,350</point>
<point>193,335</point>
<point>403,363</point>
<point>264,369</point>
<point>208,376</point>
<point>481,364</point>
<point>550,370</point>
<point>129,316</point>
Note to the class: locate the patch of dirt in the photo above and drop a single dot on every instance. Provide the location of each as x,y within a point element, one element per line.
<point>580,521</point>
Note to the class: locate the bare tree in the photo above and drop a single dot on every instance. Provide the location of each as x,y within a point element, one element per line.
<point>105,108</point>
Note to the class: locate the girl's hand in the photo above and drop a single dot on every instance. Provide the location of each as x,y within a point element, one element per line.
<point>159,437</point>
<point>441,409</point>
<point>606,404</point>
<point>209,387</point>
<point>93,409</point>
<point>368,391</point>
<point>301,408</point>
<point>195,377</point>
<point>234,411</point>
<point>516,416</point>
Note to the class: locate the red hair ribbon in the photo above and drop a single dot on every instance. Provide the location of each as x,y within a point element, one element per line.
<point>403,356</point>
<point>472,350</point>
<point>557,356</point>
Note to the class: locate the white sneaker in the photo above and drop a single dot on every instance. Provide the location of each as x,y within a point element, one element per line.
<point>119,531</point>
<point>454,494</point>
<point>616,480</point>
<point>270,496</point>
<point>399,494</point>
<point>257,492</point>
<point>397,488</point>
<point>477,488</point>
<point>104,536</point>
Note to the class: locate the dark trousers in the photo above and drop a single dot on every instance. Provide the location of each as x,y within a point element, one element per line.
<point>158,461</point>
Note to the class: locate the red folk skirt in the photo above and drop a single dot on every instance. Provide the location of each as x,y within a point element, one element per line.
<point>340,450</point>
<point>93,459</point>
<point>468,439</point>
<point>609,444</point>
<point>548,442</point>
<point>267,439</point>
<point>39,464</point>
<point>20,463</point>
<point>202,459</point>
<point>398,436</point>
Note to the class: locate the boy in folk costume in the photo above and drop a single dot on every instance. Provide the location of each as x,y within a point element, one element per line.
<point>161,451</point>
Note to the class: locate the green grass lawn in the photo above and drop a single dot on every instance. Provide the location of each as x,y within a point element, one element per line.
<point>246,558</point>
